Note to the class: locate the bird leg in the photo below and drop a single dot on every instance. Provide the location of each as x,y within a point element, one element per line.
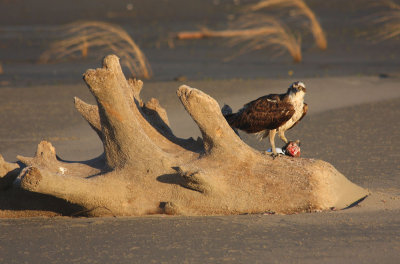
<point>281,135</point>
<point>272,134</point>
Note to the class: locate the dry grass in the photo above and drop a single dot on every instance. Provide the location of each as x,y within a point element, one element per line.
<point>254,32</point>
<point>388,20</point>
<point>302,9</point>
<point>82,36</point>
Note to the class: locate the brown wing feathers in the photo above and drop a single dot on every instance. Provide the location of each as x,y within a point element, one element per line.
<point>267,112</point>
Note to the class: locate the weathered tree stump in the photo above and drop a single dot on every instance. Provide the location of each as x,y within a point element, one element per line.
<point>146,169</point>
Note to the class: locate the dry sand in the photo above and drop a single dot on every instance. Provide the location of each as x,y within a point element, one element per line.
<point>354,123</point>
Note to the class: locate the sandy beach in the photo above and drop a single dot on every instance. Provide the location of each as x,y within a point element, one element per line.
<point>353,123</point>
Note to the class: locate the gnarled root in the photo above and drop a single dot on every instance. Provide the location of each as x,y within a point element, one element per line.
<point>146,169</point>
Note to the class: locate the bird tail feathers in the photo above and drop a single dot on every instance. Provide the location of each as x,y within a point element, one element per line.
<point>226,110</point>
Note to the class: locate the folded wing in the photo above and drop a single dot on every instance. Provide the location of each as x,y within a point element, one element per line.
<point>267,112</point>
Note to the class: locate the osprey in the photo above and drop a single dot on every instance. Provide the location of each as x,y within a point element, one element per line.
<point>270,114</point>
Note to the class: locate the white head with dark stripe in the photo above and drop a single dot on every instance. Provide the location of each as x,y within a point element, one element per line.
<point>297,87</point>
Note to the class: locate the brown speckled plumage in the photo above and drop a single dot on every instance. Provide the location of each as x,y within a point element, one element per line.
<point>271,113</point>
<point>266,112</point>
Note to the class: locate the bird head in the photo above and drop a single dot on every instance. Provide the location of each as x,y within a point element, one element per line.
<point>297,87</point>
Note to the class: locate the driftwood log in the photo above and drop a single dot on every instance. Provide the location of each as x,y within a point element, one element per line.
<point>146,169</point>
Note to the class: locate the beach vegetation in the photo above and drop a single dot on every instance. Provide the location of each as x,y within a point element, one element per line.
<point>83,36</point>
<point>301,9</point>
<point>388,21</point>
<point>254,32</point>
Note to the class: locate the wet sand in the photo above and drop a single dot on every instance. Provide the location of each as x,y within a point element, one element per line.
<point>336,237</point>
<point>357,135</point>
<point>354,123</point>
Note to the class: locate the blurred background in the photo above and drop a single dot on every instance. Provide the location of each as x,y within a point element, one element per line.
<point>353,31</point>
